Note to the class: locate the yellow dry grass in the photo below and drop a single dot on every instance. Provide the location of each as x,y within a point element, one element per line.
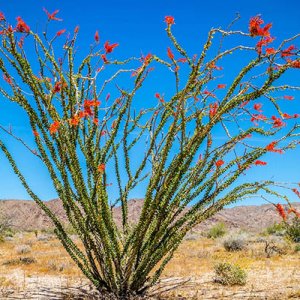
<point>193,262</point>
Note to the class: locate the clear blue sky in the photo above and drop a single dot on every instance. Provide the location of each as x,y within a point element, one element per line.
<point>138,26</point>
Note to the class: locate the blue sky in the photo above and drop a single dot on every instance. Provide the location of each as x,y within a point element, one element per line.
<point>138,26</point>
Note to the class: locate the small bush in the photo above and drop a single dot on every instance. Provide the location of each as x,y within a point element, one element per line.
<point>293,230</point>
<point>20,261</point>
<point>230,274</point>
<point>297,248</point>
<point>217,231</point>
<point>234,243</point>
<point>23,249</point>
<point>277,229</point>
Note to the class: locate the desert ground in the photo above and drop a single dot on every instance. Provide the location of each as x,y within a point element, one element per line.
<point>33,265</point>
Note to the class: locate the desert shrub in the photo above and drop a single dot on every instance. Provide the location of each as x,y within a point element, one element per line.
<point>54,265</point>
<point>20,261</point>
<point>230,274</point>
<point>297,248</point>
<point>23,249</point>
<point>234,243</point>
<point>276,229</point>
<point>293,230</point>
<point>217,231</point>
<point>275,245</point>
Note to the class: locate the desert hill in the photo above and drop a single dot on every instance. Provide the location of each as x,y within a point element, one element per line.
<point>26,215</point>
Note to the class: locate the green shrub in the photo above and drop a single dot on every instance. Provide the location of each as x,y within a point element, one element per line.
<point>217,231</point>
<point>276,229</point>
<point>297,248</point>
<point>230,274</point>
<point>293,230</point>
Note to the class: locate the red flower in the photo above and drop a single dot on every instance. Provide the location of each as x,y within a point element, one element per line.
<point>258,106</point>
<point>263,42</point>
<point>7,79</point>
<point>277,122</point>
<point>219,163</point>
<point>206,92</point>
<point>96,121</point>
<point>287,52</point>
<point>109,48</point>
<point>101,168</point>
<point>271,148</point>
<point>213,109</point>
<point>270,51</point>
<point>221,86</point>
<point>75,120</point>
<point>60,32</point>
<point>58,86</point>
<point>54,127</point>
<point>22,26</point>
<point>21,42</point>
<point>170,53</point>
<point>76,29</point>
<point>35,133</point>
<point>103,56</point>
<point>256,30</point>
<point>260,163</point>
<point>296,64</point>
<point>293,210</point>
<point>52,16</point>
<point>96,36</point>
<point>169,20</point>
<point>281,211</point>
<point>212,65</point>
<point>296,192</point>
<point>182,60</point>
<point>2,17</point>
<point>146,59</point>
<point>288,97</point>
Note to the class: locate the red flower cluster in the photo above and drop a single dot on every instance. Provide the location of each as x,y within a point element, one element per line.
<point>260,163</point>
<point>96,36</point>
<point>281,211</point>
<point>271,148</point>
<point>170,53</point>
<point>169,20</point>
<point>288,97</point>
<point>277,122</point>
<point>2,17</point>
<point>258,106</point>
<point>52,17</point>
<point>296,192</point>
<point>219,163</point>
<point>60,32</point>
<point>256,29</point>
<point>58,86</point>
<point>54,127</point>
<point>213,109</point>
<point>288,52</point>
<point>101,168</point>
<point>109,48</point>
<point>22,26</point>
<point>221,86</point>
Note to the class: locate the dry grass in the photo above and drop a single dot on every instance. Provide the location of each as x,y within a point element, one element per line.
<point>277,277</point>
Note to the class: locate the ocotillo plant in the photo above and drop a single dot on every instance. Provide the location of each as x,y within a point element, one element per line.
<point>88,139</point>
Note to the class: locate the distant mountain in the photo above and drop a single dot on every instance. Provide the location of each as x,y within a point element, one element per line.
<point>26,215</point>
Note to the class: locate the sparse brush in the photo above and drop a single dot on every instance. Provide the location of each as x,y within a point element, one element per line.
<point>230,274</point>
<point>23,249</point>
<point>235,243</point>
<point>293,230</point>
<point>217,231</point>
<point>20,261</point>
